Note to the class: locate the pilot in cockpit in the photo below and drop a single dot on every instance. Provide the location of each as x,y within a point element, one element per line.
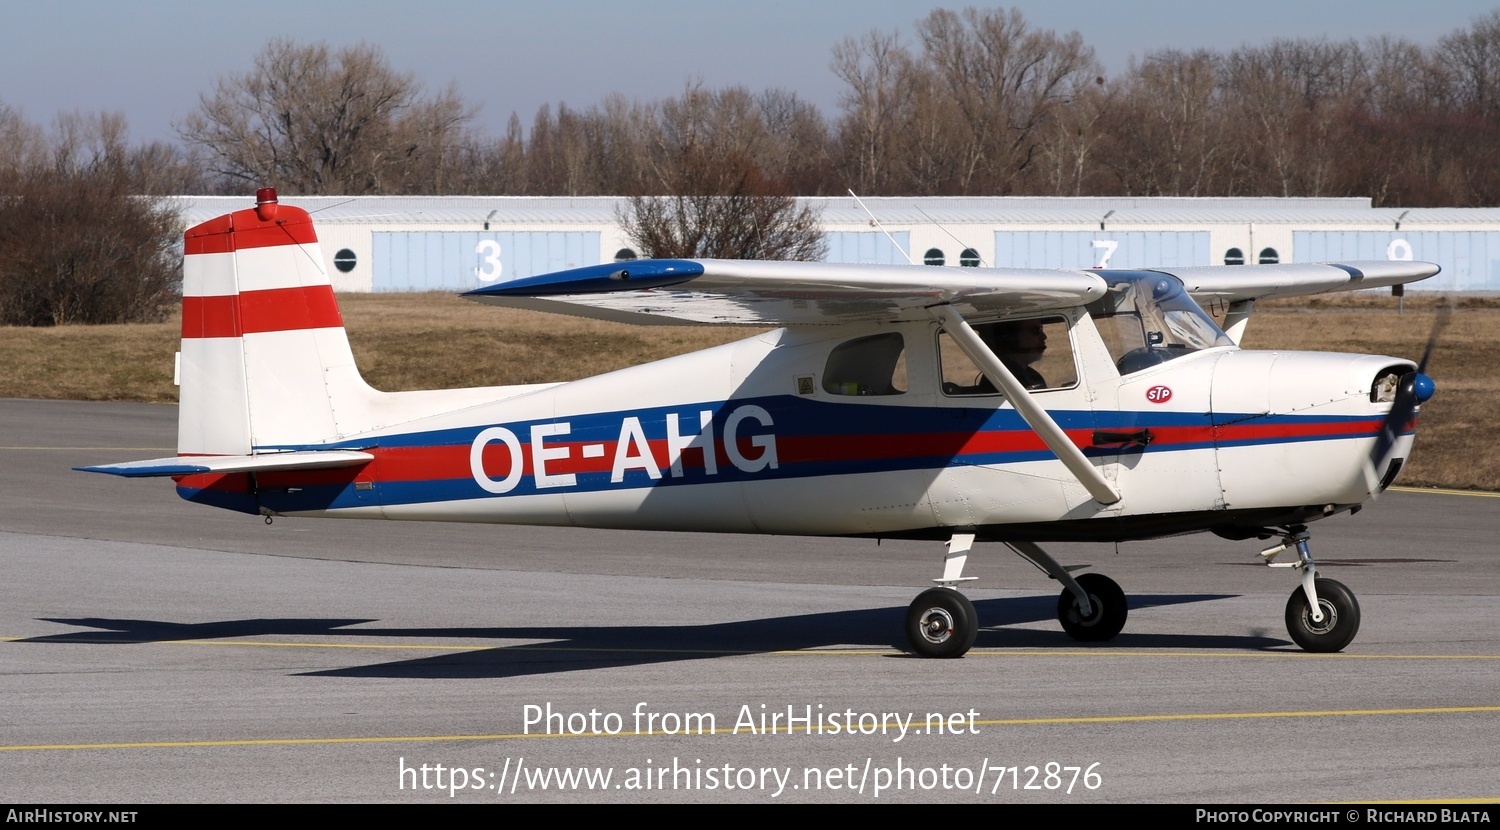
<point>1018,344</point>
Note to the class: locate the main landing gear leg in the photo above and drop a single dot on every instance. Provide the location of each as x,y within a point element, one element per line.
<point>1091,608</point>
<point>1321,615</point>
<point>941,622</point>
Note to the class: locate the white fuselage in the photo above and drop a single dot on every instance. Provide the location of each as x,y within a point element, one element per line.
<point>746,437</point>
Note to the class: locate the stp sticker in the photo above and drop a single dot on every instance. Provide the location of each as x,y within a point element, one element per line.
<point>1159,394</point>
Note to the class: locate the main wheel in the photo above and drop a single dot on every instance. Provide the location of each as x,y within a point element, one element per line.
<point>1109,607</point>
<point>941,623</point>
<point>1340,617</point>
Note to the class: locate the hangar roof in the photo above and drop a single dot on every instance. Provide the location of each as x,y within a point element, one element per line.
<point>843,210</point>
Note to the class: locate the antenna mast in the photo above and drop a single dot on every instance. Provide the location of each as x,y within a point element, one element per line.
<point>887,233</point>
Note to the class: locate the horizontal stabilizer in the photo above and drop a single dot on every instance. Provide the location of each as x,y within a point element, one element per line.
<point>264,462</point>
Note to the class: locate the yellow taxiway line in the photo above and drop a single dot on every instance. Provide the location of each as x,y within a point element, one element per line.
<point>1440,491</point>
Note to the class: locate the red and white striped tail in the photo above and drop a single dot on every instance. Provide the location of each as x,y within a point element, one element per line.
<point>265,360</point>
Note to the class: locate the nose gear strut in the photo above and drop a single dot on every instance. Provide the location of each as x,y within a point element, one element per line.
<point>1322,615</point>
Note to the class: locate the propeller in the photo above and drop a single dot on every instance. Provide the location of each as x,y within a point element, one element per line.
<point>1413,389</point>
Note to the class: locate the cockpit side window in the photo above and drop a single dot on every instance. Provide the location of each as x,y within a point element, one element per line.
<point>1037,351</point>
<point>1148,318</point>
<point>872,365</point>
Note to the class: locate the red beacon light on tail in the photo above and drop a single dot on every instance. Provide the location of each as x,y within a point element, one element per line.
<point>265,203</point>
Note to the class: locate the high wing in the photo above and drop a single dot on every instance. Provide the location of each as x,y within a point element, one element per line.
<point>1236,287</point>
<point>759,293</point>
<point>1238,283</point>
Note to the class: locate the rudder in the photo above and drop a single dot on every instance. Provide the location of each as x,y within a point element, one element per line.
<point>265,358</point>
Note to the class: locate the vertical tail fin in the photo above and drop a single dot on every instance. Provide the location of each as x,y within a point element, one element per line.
<point>265,359</point>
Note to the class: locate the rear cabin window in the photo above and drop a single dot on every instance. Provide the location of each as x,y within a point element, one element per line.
<point>873,365</point>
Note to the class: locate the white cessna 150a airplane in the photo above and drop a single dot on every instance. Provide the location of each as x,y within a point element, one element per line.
<point>957,405</point>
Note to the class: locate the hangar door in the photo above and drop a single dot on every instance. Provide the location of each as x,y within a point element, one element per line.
<point>463,260</point>
<point>1470,259</point>
<point>1100,249</point>
<point>866,247</point>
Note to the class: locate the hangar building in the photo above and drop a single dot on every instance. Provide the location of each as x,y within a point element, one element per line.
<point>456,243</point>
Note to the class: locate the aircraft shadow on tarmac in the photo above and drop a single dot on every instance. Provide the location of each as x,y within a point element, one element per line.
<point>580,648</point>
<point>154,631</point>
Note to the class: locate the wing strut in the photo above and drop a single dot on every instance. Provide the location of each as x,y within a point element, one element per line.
<point>1035,416</point>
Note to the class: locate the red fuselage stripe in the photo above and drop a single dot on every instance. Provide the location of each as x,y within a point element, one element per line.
<point>432,463</point>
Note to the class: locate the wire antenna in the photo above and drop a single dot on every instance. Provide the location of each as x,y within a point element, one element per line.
<point>961,243</point>
<point>365,215</point>
<point>887,233</point>
<point>330,207</point>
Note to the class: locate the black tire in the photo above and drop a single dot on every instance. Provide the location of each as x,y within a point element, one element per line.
<point>941,622</point>
<point>1340,618</point>
<point>1110,610</point>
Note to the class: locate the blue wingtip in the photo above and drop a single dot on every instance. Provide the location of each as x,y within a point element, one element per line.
<point>593,279</point>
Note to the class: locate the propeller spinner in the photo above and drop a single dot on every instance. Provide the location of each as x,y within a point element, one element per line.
<point>1414,389</point>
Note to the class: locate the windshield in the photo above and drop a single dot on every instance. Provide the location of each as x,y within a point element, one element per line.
<point>1148,318</point>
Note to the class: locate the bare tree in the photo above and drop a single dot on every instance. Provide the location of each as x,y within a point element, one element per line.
<point>1006,81</point>
<point>1473,58</point>
<point>1290,101</point>
<point>984,103</point>
<point>798,149</point>
<point>22,144</point>
<point>1399,132</point>
<point>723,208</point>
<point>311,120</point>
<point>703,124</point>
<point>620,140</point>
<point>1066,158</point>
<point>879,73</point>
<point>1168,126</point>
<point>78,244</point>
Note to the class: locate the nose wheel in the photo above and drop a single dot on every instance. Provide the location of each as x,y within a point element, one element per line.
<point>1339,617</point>
<point>1321,615</point>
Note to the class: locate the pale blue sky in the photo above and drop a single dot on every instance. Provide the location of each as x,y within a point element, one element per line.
<point>152,60</point>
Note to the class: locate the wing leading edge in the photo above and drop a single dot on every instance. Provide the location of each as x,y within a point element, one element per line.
<point>1238,283</point>
<point>759,293</point>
